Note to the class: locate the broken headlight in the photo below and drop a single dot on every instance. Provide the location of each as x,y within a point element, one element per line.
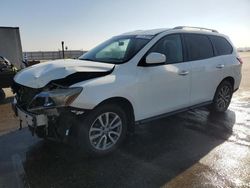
<point>54,98</point>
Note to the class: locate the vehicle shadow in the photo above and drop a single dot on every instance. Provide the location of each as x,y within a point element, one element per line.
<point>155,154</point>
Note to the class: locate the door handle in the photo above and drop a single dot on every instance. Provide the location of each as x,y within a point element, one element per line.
<point>183,73</point>
<point>220,66</point>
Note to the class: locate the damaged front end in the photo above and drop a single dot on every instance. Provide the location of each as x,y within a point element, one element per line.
<point>46,111</point>
<point>44,93</point>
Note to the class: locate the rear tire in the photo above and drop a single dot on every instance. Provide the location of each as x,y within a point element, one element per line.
<point>102,130</point>
<point>222,97</point>
<point>2,95</point>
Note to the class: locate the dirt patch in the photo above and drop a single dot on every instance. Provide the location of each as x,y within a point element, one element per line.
<point>8,121</point>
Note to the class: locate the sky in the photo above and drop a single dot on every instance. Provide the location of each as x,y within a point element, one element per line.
<point>82,24</point>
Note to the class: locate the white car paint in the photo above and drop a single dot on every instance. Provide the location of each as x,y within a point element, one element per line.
<point>205,78</point>
<point>162,89</point>
<point>37,76</point>
<point>151,90</point>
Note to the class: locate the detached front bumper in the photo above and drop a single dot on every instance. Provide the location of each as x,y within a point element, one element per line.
<point>46,111</point>
<point>29,119</point>
<point>54,123</point>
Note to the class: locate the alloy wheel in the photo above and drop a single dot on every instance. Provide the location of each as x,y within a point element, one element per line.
<point>224,97</point>
<point>105,131</point>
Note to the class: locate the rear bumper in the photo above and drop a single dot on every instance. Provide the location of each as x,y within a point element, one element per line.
<point>6,79</point>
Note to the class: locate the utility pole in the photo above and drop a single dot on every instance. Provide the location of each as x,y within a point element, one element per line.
<point>63,49</point>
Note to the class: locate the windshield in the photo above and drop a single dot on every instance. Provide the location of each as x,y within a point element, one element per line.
<point>117,50</point>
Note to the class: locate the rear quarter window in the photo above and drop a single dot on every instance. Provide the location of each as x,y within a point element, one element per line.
<point>198,46</point>
<point>221,45</point>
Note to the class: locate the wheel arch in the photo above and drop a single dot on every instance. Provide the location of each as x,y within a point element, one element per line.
<point>126,105</point>
<point>230,79</point>
<point>214,107</point>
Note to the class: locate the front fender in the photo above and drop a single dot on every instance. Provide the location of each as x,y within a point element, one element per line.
<point>99,89</point>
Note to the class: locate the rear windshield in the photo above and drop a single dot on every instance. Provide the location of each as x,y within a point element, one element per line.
<point>117,50</point>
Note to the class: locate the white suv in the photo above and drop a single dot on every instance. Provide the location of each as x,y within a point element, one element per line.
<point>130,79</point>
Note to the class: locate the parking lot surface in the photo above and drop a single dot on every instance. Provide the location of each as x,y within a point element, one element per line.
<point>191,149</point>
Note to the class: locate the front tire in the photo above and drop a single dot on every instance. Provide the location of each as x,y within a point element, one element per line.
<point>222,97</point>
<point>103,130</point>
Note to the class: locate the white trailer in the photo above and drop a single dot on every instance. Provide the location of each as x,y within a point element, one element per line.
<point>10,45</point>
<point>11,57</point>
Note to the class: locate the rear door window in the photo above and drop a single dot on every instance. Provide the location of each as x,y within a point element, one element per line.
<point>221,45</point>
<point>198,47</point>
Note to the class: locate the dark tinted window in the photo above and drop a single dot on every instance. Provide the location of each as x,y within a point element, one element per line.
<point>171,47</point>
<point>221,45</point>
<point>198,46</point>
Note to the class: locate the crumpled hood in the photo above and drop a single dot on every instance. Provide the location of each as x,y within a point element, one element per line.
<point>37,76</point>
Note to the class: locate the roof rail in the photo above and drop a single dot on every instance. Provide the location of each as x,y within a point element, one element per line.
<point>200,28</point>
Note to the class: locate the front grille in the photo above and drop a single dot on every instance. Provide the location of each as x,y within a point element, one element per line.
<point>24,95</point>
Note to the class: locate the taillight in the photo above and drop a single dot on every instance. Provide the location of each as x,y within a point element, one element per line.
<point>240,60</point>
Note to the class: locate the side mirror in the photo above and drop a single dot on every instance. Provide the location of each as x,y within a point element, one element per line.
<point>155,58</point>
